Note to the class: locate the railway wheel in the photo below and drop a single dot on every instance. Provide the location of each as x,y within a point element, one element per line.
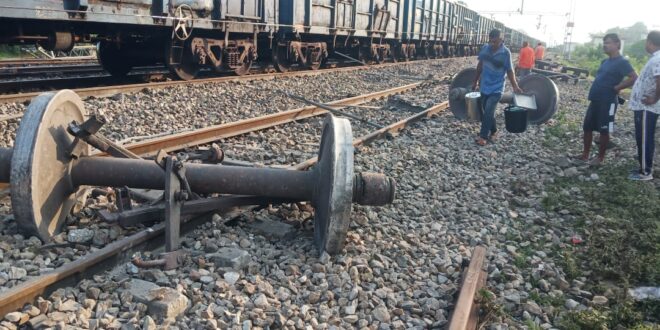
<point>426,53</point>
<point>315,66</point>
<point>112,59</point>
<point>403,53</point>
<point>244,68</point>
<point>180,60</point>
<point>392,54</point>
<point>281,58</point>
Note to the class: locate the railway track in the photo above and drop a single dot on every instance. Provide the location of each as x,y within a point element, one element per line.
<point>134,87</point>
<point>41,61</point>
<point>118,251</point>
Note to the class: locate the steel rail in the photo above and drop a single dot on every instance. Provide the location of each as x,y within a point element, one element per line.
<point>213,133</point>
<point>27,292</point>
<point>10,63</point>
<point>112,90</point>
<point>466,310</point>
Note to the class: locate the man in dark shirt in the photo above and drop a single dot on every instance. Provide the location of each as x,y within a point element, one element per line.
<point>603,97</point>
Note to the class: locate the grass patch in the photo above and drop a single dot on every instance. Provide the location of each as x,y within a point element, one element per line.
<point>547,299</point>
<point>620,222</point>
<point>489,308</point>
<point>621,316</point>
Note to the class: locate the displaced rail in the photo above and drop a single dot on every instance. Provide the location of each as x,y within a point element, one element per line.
<point>466,311</point>
<point>117,252</point>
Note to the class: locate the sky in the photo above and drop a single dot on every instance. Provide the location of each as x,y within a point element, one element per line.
<point>588,16</point>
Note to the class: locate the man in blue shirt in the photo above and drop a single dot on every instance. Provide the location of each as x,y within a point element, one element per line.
<point>494,64</point>
<point>604,98</point>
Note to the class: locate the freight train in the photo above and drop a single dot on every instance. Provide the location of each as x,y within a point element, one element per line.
<point>230,35</point>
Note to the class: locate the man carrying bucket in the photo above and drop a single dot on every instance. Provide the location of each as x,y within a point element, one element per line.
<point>494,64</point>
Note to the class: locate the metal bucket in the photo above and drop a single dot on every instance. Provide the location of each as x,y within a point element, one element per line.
<point>473,106</point>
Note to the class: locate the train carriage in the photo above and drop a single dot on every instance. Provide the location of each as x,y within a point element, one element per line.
<point>425,26</point>
<point>311,30</point>
<point>229,35</point>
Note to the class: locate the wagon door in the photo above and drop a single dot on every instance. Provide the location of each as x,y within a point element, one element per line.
<point>242,9</point>
<point>345,13</point>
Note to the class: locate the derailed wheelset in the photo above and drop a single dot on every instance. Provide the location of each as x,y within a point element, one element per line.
<point>540,96</point>
<point>48,165</point>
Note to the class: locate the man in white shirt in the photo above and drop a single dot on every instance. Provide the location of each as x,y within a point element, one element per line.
<point>644,102</point>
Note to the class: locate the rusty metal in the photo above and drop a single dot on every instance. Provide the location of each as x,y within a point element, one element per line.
<point>27,292</point>
<point>43,215</point>
<point>466,311</point>
<point>308,54</point>
<point>389,130</point>
<point>212,155</point>
<point>332,110</point>
<point>113,90</point>
<point>364,181</point>
<point>350,58</point>
<point>150,213</point>
<point>214,133</point>
<point>173,198</point>
<point>87,132</point>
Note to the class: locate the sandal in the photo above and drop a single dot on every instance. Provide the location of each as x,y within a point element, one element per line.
<point>578,160</point>
<point>493,137</point>
<point>481,141</point>
<point>595,162</point>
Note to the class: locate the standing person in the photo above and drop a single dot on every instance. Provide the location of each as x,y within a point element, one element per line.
<point>604,98</point>
<point>539,51</point>
<point>494,64</point>
<point>644,103</point>
<point>525,60</point>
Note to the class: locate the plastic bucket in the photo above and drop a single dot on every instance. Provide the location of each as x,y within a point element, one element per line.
<point>473,106</point>
<point>515,119</point>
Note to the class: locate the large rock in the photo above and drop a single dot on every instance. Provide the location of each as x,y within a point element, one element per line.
<point>229,257</point>
<point>163,303</point>
<point>80,235</point>
<point>16,273</point>
<point>273,229</point>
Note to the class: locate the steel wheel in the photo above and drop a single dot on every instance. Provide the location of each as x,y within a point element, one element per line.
<point>42,194</point>
<point>180,60</point>
<point>280,58</point>
<point>112,59</point>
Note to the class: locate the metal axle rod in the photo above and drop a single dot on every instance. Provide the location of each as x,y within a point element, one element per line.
<point>203,178</point>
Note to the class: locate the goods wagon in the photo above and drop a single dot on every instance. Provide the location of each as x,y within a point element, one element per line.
<point>229,35</point>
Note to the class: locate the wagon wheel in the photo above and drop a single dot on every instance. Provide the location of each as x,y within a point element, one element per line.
<point>180,60</point>
<point>412,53</point>
<point>425,53</point>
<point>314,65</point>
<point>244,68</point>
<point>280,58</point>
<point>112,59</point>
<point>377,56</point>
<point>183,22</point>
<point>42,194</point>
<point>403,53</point>
<point>392,55</point>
